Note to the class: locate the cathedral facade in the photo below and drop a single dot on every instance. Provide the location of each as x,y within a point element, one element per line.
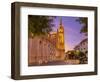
<point>47,48</point>
<point>57,38</point>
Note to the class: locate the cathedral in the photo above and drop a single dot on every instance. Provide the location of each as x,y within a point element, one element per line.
<point>57,39</point>
<point>46,49</point>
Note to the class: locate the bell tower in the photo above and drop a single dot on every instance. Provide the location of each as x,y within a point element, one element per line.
<point>60,36</point>
<point>60,40</point>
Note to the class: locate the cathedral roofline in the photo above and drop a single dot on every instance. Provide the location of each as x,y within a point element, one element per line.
<point>53,32</point>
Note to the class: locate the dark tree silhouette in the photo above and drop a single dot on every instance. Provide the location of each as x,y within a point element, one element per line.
<point>39,25</point>
<point>82,58</point>
<point>83,21</point>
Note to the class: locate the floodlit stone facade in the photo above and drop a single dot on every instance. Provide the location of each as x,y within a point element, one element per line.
<point>48,48</point>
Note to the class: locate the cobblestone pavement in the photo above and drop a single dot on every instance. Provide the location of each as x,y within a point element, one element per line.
<point>67,62</point>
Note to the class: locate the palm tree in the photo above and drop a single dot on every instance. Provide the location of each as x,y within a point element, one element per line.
<point>39,25</point>
<point>83,21</point>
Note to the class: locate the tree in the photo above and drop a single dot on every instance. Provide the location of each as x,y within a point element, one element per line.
<point>83,21</point>
<point>39,25</point>
<point>82,58</point>
<point>77,55</point>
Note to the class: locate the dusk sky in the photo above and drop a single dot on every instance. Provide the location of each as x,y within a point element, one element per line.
<point>71,31</point>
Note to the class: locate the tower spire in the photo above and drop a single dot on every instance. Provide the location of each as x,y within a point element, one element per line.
<point>61,21</point>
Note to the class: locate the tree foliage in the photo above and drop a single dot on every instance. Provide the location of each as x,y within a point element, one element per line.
<point>78,55</point>
<point>39,25</point>
<point>83,21</point>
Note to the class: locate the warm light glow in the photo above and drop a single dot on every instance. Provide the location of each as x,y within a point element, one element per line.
<point>60,30</point>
